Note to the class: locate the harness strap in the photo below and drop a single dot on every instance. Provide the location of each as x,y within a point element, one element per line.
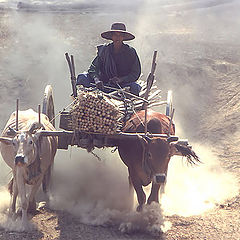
<point>145,162</point>
<point>34,169</point>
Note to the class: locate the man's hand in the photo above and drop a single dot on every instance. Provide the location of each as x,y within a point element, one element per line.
<point>99,85</point>
<point>115,80</point>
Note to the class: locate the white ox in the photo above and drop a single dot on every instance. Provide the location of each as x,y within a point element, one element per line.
<point>29,155</point>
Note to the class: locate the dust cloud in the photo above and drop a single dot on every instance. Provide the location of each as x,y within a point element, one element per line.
<point>99,194</point>
<point>5,221</point>
<point>192,190</point>
<point>183,33</point>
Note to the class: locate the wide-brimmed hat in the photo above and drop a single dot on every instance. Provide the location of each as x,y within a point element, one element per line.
<point>118,27</point>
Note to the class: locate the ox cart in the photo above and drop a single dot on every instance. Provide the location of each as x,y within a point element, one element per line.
<point>104,114</point>
<point>145,139</point>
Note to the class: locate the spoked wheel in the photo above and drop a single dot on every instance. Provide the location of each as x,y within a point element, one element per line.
<point>48,110</point>
<point>48,105</point>
<point>169,107</point>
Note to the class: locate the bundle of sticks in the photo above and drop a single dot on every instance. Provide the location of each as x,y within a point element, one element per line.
<point>95,113</point>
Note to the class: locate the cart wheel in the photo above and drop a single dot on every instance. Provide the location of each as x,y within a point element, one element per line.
<point>169,107</point>
<point>48,105</point>
<point>48,109</point>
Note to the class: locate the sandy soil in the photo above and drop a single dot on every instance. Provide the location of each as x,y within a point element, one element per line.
<point>214,110</point>
<point>220,223</point>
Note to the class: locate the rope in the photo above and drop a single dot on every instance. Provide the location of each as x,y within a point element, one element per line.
<point>138,117</point>
<point>131,106</point>
<point>61,111</point>
<point>95,155</point>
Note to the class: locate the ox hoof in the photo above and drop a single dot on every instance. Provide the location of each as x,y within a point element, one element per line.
<point>33,212</point>
<point>19,212</point>
<point>139,208</point>
<point>30,211</point>
<point>12,216</point>
<point>32,208</point>
<point>26,226</point>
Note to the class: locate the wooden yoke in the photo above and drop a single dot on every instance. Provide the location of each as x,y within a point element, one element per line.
<point>72,72</point>
<point>150,80</point>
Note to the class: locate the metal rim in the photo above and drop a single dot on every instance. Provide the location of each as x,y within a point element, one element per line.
<point>169,107</point>
<point>48,104</point>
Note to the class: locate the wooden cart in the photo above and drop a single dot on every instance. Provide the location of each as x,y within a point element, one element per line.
<point>129,104</point>
<point>149,96</point>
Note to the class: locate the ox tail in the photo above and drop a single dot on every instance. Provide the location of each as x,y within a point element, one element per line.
<point>187,152</point>
<point>10,186</point>
<point>130,185</point>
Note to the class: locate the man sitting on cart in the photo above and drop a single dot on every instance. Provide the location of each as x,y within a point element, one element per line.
<point>116,65</point>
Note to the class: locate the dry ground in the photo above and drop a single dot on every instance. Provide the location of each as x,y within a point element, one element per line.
<point>217,124</point>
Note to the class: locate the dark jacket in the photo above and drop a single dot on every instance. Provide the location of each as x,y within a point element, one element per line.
<point>124,65</point>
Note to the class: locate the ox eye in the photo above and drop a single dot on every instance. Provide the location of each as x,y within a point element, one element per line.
<point>30,142</point>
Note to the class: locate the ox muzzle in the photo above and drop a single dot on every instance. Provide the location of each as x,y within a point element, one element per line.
<point>159,178</point>
<point>20,160</point>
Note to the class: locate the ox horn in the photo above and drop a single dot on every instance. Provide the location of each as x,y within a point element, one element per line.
<point>11,132</point>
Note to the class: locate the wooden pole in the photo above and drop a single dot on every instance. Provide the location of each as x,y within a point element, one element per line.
<point>73,67</point>
<point>149,85</point>
<point>73,77</point>
<point>170,123</point>
<point>39,113</point>
<point>17,108</point>
<point>72,72</point>
<point>145,119</point>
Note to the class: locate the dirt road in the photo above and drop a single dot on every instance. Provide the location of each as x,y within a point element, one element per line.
<point>202,67</point>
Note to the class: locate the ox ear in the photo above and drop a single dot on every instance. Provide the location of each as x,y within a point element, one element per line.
<point>6,140</point>
<point>185,151</point>
<point>173,150</point>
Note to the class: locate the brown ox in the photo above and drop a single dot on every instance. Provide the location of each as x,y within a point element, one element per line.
<point>147,158</point>
<point>29,156</point>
